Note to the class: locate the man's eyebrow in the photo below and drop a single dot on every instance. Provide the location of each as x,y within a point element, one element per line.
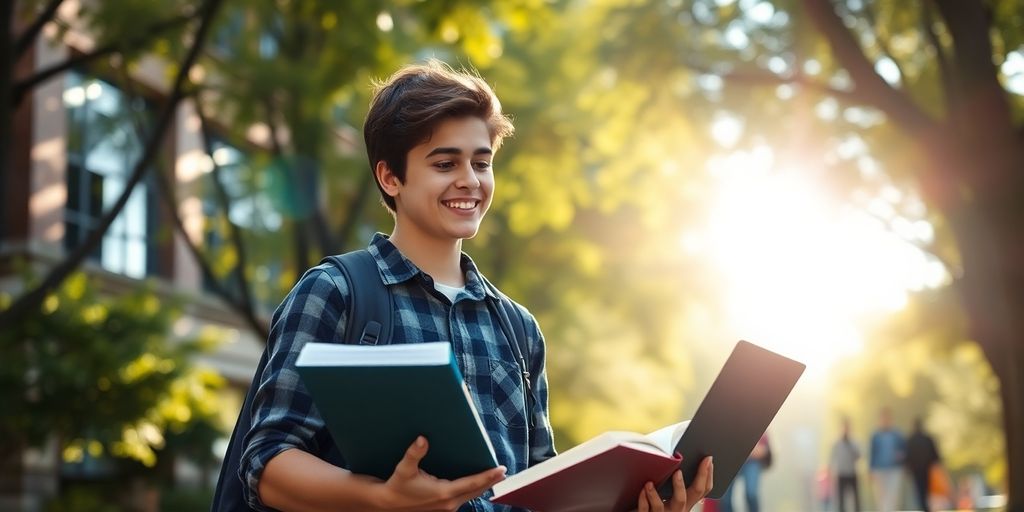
<point>457,151</point>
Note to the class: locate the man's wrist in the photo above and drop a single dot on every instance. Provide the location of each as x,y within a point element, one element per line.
<point>380,497</point>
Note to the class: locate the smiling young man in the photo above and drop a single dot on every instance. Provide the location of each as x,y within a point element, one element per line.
<point>431,134</point>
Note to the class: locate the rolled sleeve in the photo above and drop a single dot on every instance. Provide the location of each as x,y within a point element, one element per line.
<point>283,414</point>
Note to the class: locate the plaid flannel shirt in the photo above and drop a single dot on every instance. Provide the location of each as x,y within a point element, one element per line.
<point>315,310</point>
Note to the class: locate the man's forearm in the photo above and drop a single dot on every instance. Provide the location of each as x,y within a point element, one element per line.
<point>295,481</point>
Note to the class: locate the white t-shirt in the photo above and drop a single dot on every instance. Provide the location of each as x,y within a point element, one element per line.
<point>449,291</point>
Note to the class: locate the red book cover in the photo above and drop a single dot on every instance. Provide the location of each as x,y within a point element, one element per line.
<point>603,475</point>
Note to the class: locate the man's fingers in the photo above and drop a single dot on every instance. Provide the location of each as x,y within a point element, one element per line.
<point>678,501</point>
<point>467,488</point>
<point>409,466</point>
<point>653,499</point>
<point>641,502</point>
<point>475,484</point>
<point>701,483</point>
<point>710,478</point>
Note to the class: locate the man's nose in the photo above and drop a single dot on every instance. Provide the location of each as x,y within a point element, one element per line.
<point>467,178</point>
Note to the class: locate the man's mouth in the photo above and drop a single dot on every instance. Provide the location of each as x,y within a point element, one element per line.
<point>461,204</point>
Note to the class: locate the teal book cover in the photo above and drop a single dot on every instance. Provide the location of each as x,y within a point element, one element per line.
<point>376,400</point>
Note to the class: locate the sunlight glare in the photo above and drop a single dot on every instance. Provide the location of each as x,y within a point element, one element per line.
<point>761,13</point>
<point>736,35</point>
<point>1013,71</point>
<point>384,22</point>
<point>801,274</point>
<point>726,130</point>
<point>888,70</point>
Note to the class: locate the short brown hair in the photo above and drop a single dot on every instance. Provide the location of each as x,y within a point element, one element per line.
<point>408,107</point>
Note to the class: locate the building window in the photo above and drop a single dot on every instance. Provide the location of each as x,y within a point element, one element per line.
<point>103,148</point>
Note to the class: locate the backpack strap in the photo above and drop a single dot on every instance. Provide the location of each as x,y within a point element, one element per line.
<point>515,331</point>
<point>370,310</point>
<point>371,306</point>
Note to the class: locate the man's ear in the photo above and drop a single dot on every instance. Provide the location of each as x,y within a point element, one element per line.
<point>387,179</point>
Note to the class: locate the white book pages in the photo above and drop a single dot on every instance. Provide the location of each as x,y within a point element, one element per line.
<point>406,354</point>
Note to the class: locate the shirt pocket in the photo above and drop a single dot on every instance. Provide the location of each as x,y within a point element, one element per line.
<point>507,393</point>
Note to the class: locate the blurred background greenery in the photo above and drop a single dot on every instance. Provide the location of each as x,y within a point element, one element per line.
<point>839,181</point>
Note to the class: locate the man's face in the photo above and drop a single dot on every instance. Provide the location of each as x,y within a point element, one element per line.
<point>448,182</point>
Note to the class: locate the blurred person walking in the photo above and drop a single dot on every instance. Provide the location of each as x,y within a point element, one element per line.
<point>845,454</point>
<point>760,458</point>
<point>922,463</point>
<point>887,454</point>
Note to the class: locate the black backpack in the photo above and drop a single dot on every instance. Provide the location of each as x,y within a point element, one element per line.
<point>372,308</point>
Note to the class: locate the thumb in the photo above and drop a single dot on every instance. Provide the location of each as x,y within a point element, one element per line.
<point>409,466</point>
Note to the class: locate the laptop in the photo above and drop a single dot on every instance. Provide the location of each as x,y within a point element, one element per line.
<point>742,401</point>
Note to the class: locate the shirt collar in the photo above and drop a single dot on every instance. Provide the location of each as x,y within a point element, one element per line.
<point>396,268</point>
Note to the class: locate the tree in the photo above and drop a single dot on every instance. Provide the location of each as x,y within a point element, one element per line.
<point>575,235</point>
<point>100,377</point>
<point>302,71</point>
<point>121,42</point>
<point>951,130</point>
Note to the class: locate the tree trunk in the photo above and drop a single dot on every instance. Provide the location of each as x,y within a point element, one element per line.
<point>6,107</point>
<point>1013,423</point>
<point>11,470</point>
<point>987,230</point>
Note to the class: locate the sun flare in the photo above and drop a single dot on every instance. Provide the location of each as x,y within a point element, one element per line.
<point>800,273</point>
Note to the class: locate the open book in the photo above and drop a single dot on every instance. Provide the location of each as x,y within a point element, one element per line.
<point>604,473</point>
<point>375,400</point>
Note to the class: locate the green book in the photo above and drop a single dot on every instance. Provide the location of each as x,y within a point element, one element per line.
<point>375,400</point>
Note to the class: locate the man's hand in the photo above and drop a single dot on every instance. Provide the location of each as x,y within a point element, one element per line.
<point>683,497</point>
<point>411,489</point>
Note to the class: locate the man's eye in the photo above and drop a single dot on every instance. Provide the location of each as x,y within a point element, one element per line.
<point>444,164</point>
<point>482,165</point>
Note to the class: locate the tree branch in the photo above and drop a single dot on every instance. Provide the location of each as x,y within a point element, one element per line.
<point>275,141</point>
<point>7,64</point>
<point>968,23</point>
<point>248,305</point>
<point>301,236</point>
<point>363,193</point>
<point>170,202</point>
<point>869,87</point>
<point>869,12</point>
<point>945,72</point>
<point>323,232</point>
<point>22,87</point>
<point>889,224</point>
<point>34,297</point>
<point>976,73</point>
<point>25,40</point>
<point>245,305</point>
<point>984,118</point>
<point>767,78</point>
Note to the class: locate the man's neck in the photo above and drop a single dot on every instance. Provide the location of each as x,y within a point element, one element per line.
<point>441,259</point>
